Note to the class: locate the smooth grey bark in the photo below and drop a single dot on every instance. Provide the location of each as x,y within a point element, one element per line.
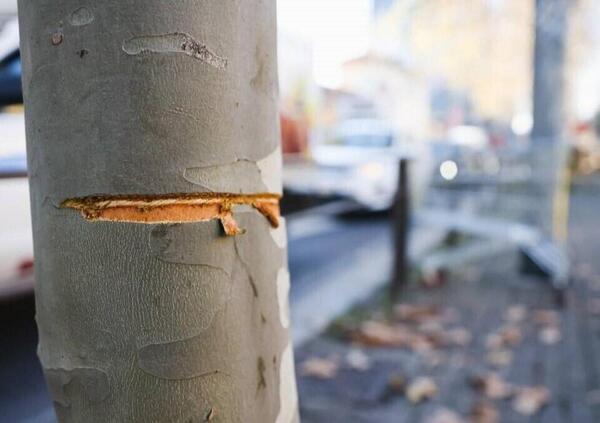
<point>163,322</point>
<point>551,18</point>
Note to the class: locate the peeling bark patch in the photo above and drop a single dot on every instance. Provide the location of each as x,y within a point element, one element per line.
<point>80,17</point>
<point>283,291</point>
<point>176,208</point>
<point>244,175</point>
<point>270,170</point>
<point>176,42</point>
<point>64,383</point>
<point>288,394</point>
<point>178,244</point>
<point>179,360</point>
<point>279,234</point>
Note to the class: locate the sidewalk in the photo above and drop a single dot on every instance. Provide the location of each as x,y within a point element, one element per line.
<point>493,347</point>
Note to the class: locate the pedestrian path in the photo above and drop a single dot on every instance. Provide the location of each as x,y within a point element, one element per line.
<point>490,345</point>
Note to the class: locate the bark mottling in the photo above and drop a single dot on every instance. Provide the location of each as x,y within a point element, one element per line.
<point>81,17</point>
<point>177,244</point>
<point>92,383</point>
<point>176,42</point>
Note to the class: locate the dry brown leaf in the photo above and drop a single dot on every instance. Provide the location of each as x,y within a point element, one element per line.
<point>459,337</point>
<point>484,412</point>
<point>506,336</point>
<point>511,336</point>
<point>493,341</point>
<point>530,400</point>
<point>445,416</point>
<point>430,327</point>
<point>515,314</point>
<point>380,334</point>
<point>546,317</point>
<point>499,357</point>
<point>320,368</point>
<point>433,279</point>
<point>550,335</point>
<point>421,389</point>
<point>492,386</point>
<point>421,345</point>
<point>416,313</point>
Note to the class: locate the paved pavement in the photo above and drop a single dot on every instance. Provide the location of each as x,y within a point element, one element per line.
<point>480,297</point>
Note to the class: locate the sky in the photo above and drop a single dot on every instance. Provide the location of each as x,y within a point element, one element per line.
<point>337,29</point>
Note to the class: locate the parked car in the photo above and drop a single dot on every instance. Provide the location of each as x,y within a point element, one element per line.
<point>358,160</point>
<point>16,246</point>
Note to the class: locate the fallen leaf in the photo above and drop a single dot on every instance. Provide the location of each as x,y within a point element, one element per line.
<point>550,335</point>
<point>430,327</point>
<point>484,412</point>
<point>530,400</point>
<point>511,336</point>
<point>433,279</point>
<point>424,343</point>
<point>506,336</point>
<point>492,386</point>
<point>416,313</point>
<point>499,357</point>
<point>358,360</point>
<point>459,337</point>
<point>545,317</point>
<point>421,389</point>
<point>515,314</point>
<point>493,341</point>
<point>380,334</point>
<point>320,368</point>
<point>445,416</point>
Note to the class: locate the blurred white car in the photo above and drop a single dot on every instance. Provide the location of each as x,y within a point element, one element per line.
<point>359,160</point>
<point>16,245</point>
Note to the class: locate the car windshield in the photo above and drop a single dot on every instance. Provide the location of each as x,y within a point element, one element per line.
<point>364,140</point>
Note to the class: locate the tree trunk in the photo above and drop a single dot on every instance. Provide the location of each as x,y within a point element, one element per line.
<point>161,270</point>
<point>551,23</point>
<point>549,67</point>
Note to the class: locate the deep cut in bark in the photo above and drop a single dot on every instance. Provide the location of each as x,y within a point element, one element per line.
<point>177,208</point>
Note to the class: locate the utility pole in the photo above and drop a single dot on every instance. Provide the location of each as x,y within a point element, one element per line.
<point>155,174</point>
<point>551,19</point>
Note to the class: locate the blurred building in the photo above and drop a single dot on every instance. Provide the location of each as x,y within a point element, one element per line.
<point>399,94</point>
<point>483,50</point>
<point>299,95</point>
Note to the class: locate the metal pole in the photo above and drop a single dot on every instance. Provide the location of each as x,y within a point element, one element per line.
<point>400,223</point>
